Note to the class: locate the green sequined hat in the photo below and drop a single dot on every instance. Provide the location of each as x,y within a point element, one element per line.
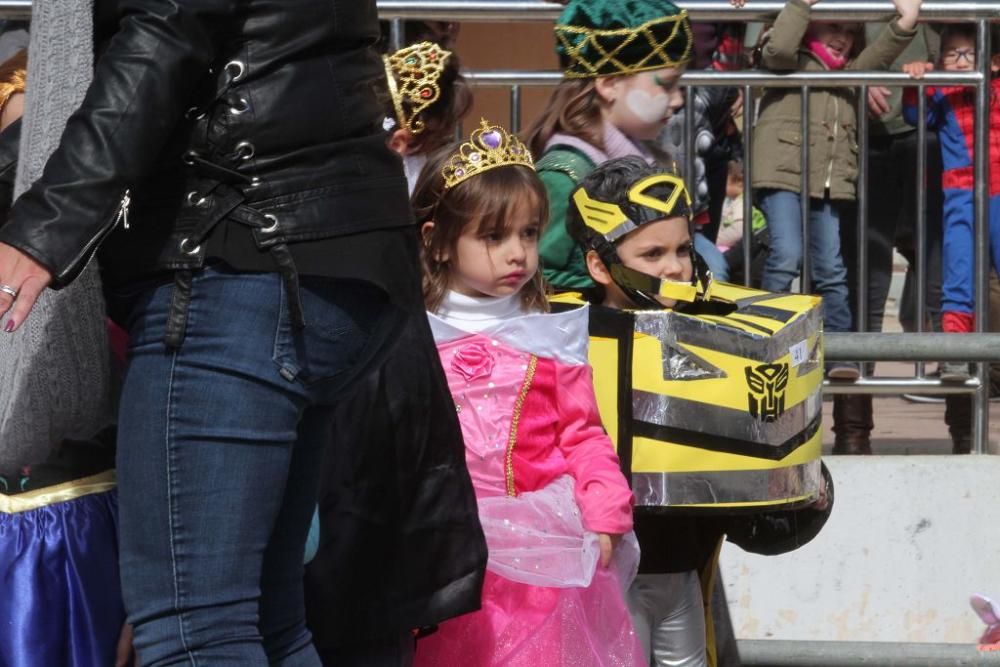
<point>610,37</point>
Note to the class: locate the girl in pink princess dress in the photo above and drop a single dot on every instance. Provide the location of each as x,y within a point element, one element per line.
<point>554,505</point>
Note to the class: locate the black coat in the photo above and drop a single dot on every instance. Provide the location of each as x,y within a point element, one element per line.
<point>400,543</point>
<point>205,110</point>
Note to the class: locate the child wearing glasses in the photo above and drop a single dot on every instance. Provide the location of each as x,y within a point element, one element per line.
<point>951,112</point>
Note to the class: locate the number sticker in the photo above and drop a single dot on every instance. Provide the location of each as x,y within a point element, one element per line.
<point>799,353</point>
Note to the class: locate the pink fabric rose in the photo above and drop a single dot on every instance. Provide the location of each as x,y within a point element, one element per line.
<point>473,362</point>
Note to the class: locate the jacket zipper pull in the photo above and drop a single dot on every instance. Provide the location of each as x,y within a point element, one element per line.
<point>123,209</point>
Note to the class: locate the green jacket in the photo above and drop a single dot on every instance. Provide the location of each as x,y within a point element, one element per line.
<point>561,168</point>
<point>833,133</point>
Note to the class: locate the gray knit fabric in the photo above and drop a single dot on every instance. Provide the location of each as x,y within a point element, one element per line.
<point>55,371</point>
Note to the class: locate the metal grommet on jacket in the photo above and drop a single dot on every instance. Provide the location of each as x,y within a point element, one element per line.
<point>236,70</point>
<point>198,201</point>
<point>244,150</point>
<point>273,227</point>
<point>185,247</point>
<point>239,106</point>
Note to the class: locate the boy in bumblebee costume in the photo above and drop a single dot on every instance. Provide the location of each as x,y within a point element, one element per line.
<point>711,393</point>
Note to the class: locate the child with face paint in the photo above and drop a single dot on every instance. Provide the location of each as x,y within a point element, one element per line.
<point>605,105</point>
<point>796,43</point>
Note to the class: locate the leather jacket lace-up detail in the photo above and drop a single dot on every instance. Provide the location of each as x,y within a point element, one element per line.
<point>255,114</point>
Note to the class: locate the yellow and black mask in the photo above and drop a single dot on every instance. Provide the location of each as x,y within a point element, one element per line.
<point>655,197</point>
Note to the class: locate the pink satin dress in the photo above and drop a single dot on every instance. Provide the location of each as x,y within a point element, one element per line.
<point>547,480</point>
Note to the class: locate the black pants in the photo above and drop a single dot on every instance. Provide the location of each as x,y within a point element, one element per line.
<point>892,188</point>
<point>390,654</point>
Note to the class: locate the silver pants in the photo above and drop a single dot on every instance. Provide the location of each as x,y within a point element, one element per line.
<point>669,617</point>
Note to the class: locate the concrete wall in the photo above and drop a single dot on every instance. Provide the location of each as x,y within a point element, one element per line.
<point>910,538</point>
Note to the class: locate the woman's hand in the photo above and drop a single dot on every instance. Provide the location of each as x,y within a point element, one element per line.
<point>24,276</point>
<point>909,12</point>
<point>918,69</point>
<point>607,543</point>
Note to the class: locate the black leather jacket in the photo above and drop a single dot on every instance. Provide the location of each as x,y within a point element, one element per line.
<point>254,111</point>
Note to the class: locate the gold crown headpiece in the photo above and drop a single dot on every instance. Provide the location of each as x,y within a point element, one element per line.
<point>489,147</point>
<point>413,73</point>
<point>13,75</point>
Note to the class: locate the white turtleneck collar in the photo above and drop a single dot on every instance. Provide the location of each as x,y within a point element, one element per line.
<point>476,313</point>
<point>561,336</point>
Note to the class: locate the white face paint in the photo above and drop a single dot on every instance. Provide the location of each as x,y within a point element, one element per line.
<point>640,104</point>
<point>647,108</point>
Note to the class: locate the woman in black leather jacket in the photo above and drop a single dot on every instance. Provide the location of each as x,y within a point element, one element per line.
<point>254,234</point>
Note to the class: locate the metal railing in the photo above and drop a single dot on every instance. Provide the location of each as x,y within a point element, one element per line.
<point>918,347</point>
<point>15,9</point>
<point>699,10</point>
<point>799,653</point>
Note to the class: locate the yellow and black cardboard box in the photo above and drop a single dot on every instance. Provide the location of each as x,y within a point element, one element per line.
<point>717,405</point>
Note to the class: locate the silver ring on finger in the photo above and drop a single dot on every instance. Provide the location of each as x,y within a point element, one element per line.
<point>7,289</point>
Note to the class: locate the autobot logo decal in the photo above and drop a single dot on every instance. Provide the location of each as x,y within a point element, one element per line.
<point>767,384</point>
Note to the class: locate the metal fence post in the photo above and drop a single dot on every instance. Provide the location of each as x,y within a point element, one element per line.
<point>515,108</point>
<point>862,233</point>
<point>689,158</point>
<point>921,222</point>
<point>805,279</point>
<point>748,121</point>
<point>396,36</point>
<point>980,431</point>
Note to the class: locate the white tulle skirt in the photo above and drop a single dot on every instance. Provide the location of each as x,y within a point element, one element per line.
<point>546,598</point>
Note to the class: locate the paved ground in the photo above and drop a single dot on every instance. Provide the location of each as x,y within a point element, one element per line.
<point>908,428</point>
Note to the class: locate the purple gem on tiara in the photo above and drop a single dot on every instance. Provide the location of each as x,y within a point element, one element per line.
<point>460,172</point>
<point>492,139</point>
<point>474,157</point>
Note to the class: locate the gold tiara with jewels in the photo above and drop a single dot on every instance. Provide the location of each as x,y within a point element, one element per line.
<point>489,147</point>
<point>413,73</point>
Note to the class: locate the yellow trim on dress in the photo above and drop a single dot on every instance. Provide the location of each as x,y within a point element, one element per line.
<point>60,493</point>
<point>515,420</point>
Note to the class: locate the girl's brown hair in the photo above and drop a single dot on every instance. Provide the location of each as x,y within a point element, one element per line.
<point>443,116</point>
<point>574,109</point>
<point>490,199</point>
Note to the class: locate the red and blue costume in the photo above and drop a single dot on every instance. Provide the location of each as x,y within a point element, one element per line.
<point>951,112</point>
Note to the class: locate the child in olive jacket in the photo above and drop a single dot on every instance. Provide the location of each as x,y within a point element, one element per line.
<point>796,43</point>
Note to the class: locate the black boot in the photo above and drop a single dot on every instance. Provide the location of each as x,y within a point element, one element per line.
<point>852,424</point>
<point>958,417</point>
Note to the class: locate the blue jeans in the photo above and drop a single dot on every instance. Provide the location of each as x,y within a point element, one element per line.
<point>829,276</point>
<point>219,450</point>
<point>712,256</point>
